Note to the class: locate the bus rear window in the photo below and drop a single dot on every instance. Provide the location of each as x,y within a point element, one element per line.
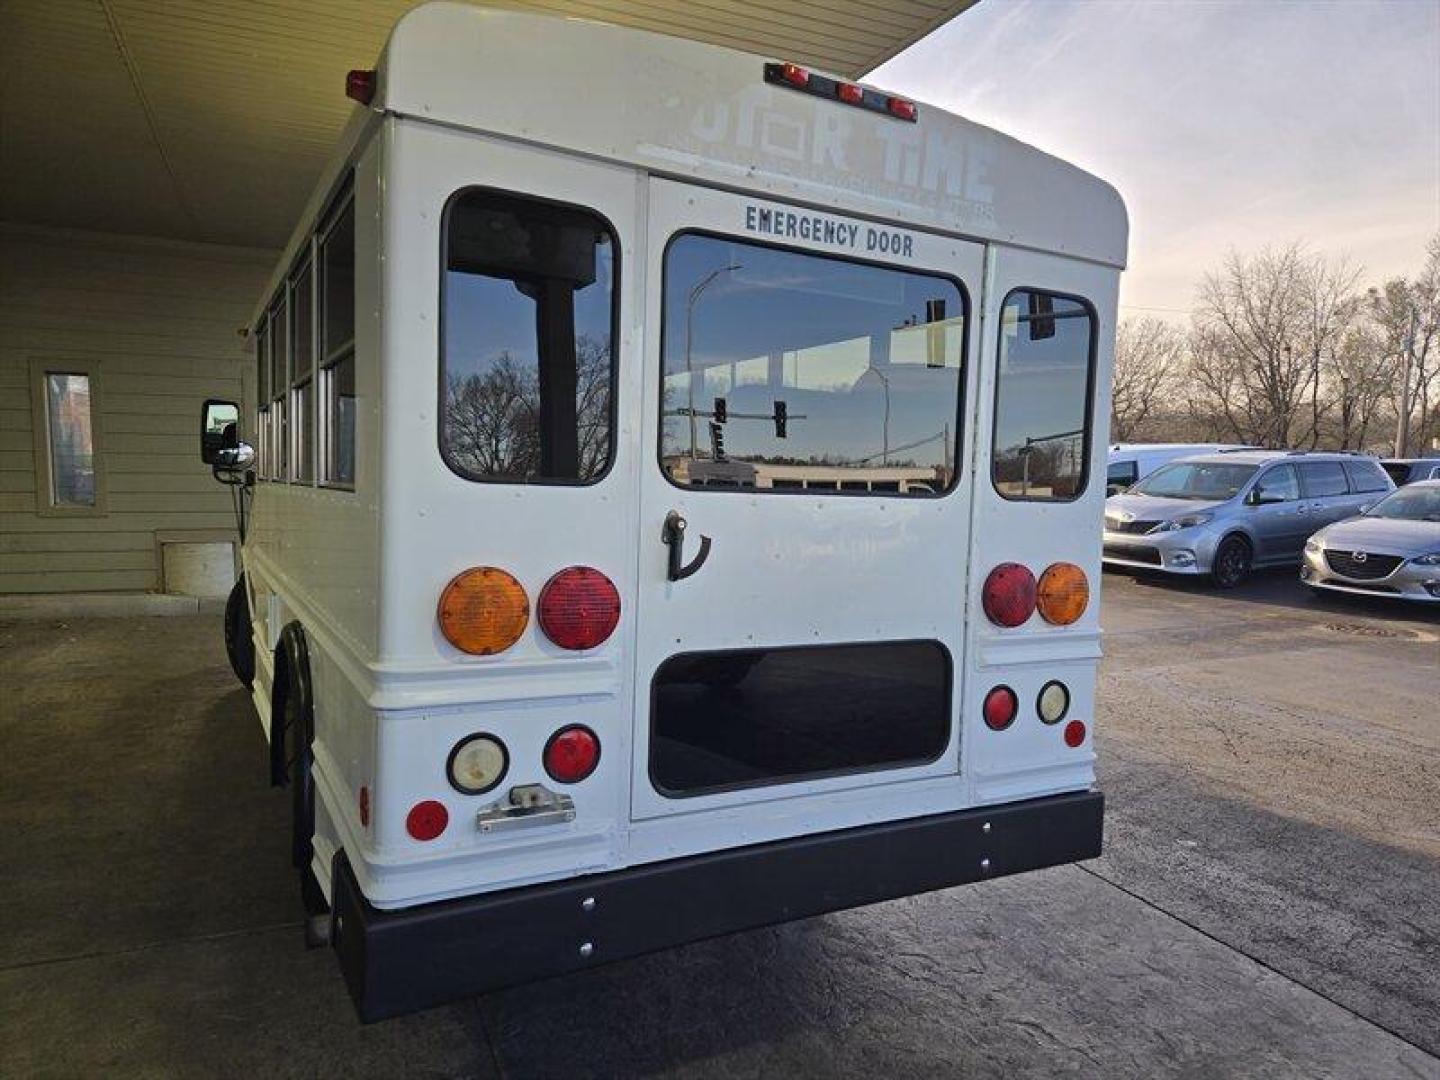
<point>528,317</point>
<point>1042,396</point>
<point>786,371</point>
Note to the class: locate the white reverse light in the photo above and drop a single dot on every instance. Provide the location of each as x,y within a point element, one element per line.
<point>477,764</point>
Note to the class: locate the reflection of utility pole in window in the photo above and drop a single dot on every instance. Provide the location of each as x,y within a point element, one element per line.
<point>885,431</point>
<point>689,337</point>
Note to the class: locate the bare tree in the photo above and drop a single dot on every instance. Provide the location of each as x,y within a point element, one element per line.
<point>1266,327</point>
<point>492,419</point>
<point>1406,317</point>
<point>1148,358</point>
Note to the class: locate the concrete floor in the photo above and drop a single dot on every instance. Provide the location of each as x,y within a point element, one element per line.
<point>1266,905</point>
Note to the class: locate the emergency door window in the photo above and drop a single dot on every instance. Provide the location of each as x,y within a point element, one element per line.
<point>528,315</point>
<point>1042,396</point>
<point>786,371</point>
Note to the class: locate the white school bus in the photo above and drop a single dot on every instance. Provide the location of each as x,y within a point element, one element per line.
<point>672,506</point>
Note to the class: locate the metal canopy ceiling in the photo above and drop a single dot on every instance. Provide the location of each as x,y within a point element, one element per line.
<point>206,120</point>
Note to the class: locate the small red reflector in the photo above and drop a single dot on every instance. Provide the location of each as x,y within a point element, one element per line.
<point>905,110</point>
<point>1009,594</point>
<point>1000,708</point>
<point>850,93</point>
<point>427,820</point>
<point>579,608</point>
<point>360,85</point>
<point>365,806</point>
<point>795,75</point>
<point>1074,733</point>
<point>572,754</point>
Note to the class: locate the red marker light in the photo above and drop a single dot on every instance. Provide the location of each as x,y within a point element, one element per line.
<point>795,75</point>
<point>850,93</point>
<point>571,754</point>
<point>364,806</point>
<point>427,820</point>
<point>1074,733</point>
<point>360,85</point>
<point>1000,708</point>
<point>905,110</point>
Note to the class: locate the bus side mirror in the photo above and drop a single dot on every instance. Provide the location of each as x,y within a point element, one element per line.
<point>219,429</point>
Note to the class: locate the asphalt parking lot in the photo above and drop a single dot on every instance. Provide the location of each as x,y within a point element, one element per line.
<point>1266,906</point>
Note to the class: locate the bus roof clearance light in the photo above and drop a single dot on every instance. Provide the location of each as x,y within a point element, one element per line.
<point>1009,594</point>
<point>579,608</point>
<point>1063,594</point>
<point>822,86</point>
<point>483,611</point>
<point>360,85</point>
<point>1000,708</point>
<point>572,754</point>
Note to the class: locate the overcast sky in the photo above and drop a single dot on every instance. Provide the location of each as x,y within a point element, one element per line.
<point>1222,124</point>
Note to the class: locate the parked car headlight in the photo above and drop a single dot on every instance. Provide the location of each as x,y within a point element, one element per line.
<point>1185,521</point>
<point>1432,559</point>
<point>1313,545</point>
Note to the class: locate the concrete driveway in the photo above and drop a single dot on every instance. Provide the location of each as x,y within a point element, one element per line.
<point>1266,905</point>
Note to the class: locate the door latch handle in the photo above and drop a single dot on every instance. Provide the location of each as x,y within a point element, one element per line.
<point>674,537</point>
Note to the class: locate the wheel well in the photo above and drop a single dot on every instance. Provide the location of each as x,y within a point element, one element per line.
<point>1240,535</point>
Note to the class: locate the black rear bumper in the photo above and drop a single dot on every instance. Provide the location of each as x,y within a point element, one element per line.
<point>398,961</point>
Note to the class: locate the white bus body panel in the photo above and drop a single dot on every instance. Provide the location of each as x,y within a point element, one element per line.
<point>363,570</point>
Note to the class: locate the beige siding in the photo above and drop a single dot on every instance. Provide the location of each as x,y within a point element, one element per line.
<point>157,322</point>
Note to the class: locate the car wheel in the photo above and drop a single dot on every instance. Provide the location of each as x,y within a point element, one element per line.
<point>1232,562</point>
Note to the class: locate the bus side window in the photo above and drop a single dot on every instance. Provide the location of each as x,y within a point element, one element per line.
<point>1041,440</point>
<point>337,348</point>
<point>527,372</point>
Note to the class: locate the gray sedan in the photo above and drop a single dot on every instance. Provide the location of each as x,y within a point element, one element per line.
<point>1393,549</point>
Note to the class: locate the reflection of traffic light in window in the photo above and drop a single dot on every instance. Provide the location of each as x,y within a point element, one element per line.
<point>780,418</point>
<point>717,441</point>
<point>720,410</point>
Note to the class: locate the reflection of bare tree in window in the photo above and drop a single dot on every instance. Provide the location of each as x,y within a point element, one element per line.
<point>492,419</point>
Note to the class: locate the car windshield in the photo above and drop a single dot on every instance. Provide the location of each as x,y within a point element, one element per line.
<point>1413,504</point>
<point>1209,481</point>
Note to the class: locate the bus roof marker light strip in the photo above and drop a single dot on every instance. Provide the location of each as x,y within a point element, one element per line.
<point>808,82</point>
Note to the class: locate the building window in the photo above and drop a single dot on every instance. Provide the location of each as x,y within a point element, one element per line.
<point>526,360</point>
<point>337,348</point>
<point>785,370</point>
<point>302,354</point>
<point>69,478</point>
<point>1041,442</point>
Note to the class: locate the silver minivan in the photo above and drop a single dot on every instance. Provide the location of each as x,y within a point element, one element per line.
<point>1227,513</point>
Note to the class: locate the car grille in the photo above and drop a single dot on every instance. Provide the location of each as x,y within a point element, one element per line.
<point>1369,568</point>
<point>1134,554</point>
<point>1114,524</point>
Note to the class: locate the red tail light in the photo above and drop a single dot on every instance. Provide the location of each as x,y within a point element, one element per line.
<point>572,754</point>
<point>1009,594</point>
<point>1000,708</point>
<point>427,820</point>
<point>579,608</point>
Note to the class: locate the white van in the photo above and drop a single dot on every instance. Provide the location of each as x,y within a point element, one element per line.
<point>1128,463</point>
<point>672,503</point>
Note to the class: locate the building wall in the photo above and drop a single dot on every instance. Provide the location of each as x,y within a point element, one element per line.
<point>156,324</point>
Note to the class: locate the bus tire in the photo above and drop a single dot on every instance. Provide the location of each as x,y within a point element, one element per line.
<point>297,731</point>
<point>239,642</point>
